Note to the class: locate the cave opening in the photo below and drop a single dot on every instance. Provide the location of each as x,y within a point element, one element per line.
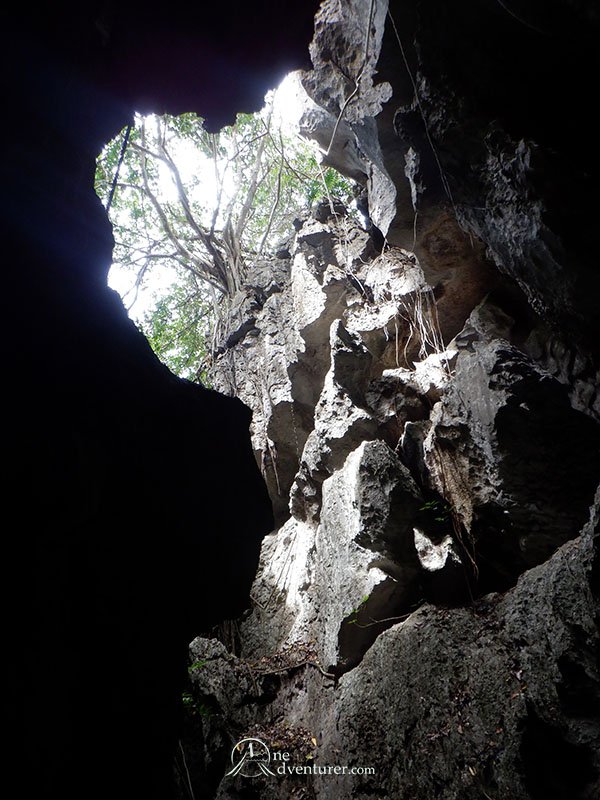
<point>140,511</point>
<point>191,209</point>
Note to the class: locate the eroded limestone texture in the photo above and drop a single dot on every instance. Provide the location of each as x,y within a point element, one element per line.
<point>423,416</point>
<point>429,605</point>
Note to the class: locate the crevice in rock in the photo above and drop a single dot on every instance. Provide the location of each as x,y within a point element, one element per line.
<point>553,767</point>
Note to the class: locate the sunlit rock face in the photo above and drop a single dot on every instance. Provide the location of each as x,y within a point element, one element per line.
<point>426,417</point>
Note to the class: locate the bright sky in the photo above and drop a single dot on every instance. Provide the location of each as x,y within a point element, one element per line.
<point>288,106</point>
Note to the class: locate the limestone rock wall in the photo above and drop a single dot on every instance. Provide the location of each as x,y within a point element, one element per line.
<point>395,612</point>
<point>425,415</point>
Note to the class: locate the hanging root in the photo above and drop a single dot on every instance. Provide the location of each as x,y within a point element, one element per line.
<point>417,308</point>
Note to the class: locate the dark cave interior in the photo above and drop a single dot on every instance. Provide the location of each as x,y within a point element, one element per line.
<point>137,503</point>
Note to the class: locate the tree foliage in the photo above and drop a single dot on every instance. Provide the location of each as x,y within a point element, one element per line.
<point>200,207</point>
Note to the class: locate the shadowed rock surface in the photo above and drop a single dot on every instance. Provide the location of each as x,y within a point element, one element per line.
<point>428,606</point>
<point>424,400</point>
<point>137,507</point>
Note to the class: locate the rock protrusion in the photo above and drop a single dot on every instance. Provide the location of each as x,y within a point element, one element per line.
<point>506,449</point>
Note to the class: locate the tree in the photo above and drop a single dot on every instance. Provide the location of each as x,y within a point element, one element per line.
<point>233,202</point>
<point>178,329</point>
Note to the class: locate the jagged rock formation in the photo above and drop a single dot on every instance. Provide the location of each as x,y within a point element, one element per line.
<point>498,699</point>
<point>426,420</point>
<point>420,483</point>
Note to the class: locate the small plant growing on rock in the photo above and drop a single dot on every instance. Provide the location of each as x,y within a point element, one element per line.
<point>353,616</point>
<point>196,665</point>
<point>438,511</point>
<point>195,708</point>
